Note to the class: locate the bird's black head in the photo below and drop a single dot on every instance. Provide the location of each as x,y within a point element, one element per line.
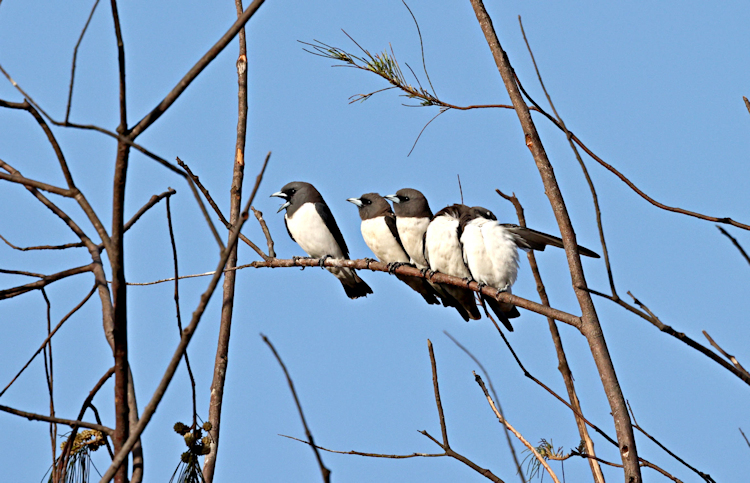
<point>480,212</point>
<point>296,194</point>
<point>410,203</point>
<point>371,205</point>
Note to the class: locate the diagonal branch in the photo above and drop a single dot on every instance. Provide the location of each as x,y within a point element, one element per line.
<point>735,243</point>
<point>157,111</point>
<point>46,280</point>
<point>325,472</point>
<point>67,422</point>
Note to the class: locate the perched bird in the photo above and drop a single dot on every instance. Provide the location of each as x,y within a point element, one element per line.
<point>413,215</point>
<point>380,233</point>
<point>490,250</point>
<point>310,223</point>
<point>443,252</point>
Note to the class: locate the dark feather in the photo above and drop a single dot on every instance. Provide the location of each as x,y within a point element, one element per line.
<point>536,240</point>
<point>325,214</point>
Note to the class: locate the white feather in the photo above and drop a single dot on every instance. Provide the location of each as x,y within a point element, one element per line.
<point>443,247</point>
<point>381,241</point>
<point>412,230</point>
<point>491,253</point>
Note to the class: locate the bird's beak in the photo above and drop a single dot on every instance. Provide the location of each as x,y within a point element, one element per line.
<point>356,201</point>
<point>393,198</point>
<point>280,194</point>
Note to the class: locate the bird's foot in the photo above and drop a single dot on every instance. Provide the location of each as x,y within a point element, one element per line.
<point>369,261</point>
<point>480,286</point>
<point>467,281</point>
<point>394,265</point>
<point>322,262</point>
<point>427,273</point>
<point>501,290</point>
<point>296,259</point>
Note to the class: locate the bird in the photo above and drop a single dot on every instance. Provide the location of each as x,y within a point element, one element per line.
<point>443,253</point>
<point>413,215</point>
<point>381,235</point>
<point>310,223</point>
<point>490,251</point>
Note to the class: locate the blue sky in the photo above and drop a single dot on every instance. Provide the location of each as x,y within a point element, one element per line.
<point>654,89</point>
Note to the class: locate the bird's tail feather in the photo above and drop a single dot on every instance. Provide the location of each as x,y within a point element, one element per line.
<point>503,311</point>
<point>421,286</point>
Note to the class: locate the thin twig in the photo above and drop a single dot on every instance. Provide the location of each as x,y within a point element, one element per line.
<point>149,204</point>
<point>73,64</point>
<point>371,455</point>
<point>49,373</point>
<point>499,408</point>
<point>518,435</point>
<point>42,247</point>
<point>594,196</point>
<point>46,280</point>
<point>705,476</point>
<point>266,232</point>
<point>726,354</point>
<point>735,243</point>
<point>325,472</point>
<point>743,433</point>
<point>439,404</point>
<point>177,310</point>
<point>67,422</point>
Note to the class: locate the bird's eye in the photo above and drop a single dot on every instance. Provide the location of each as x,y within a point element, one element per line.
<point>406,198</point>
<point>293,190</point>
<point>367,202</point>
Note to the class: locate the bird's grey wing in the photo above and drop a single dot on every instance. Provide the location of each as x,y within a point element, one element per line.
<point>327,216</point>
<point>390,221</point>
<point>287,229</point>
<point>536,240</point>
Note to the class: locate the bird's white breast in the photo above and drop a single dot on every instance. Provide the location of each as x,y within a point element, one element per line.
<point>412,230</point>
<point>381,241</point>
<point>491,253</point>
<point>443,247</point>
<point>311,233</point>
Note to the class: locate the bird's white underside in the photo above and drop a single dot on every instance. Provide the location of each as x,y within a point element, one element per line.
<point>381,241</point>
<point>443,247</point>
<point>490,253</point>
<point>313,236</point>
<point>411,230</point>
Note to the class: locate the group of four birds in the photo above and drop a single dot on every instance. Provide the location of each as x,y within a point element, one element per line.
<point>462,241</point>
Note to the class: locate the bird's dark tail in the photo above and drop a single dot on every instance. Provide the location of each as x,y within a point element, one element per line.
<point>462,299</point>
<point>503,311</point>
<point>355,287</point>
<point>421,286</point>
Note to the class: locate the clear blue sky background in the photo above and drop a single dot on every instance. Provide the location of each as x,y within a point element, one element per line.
<point>655,89</point>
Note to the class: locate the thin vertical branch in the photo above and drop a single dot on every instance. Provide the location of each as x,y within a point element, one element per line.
<point>187,335</point>
<point>436,387</point>
<point>562,359</point>
<point>227,307</point>
<point>325,472</point>
<point>117,262</point>
<point>590,327</point>
<point>75,56</point>
<point>48,371</point>
<point>177,309</point>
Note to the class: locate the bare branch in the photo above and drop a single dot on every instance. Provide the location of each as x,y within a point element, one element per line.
<point>371,455</point>
<point>187,335</point>
<point>149,204</point>
<point>325,472</point>
<point>42,247</point>
<point>266,232</point>
<point>67,422</point>
<point>518,435</point>
<point>499,408</point>
<point>439,404</point>
<point>73,63</point>
<point>735,243</point>
<point>46,280</point>
<point>727,355</point>
<point>562,359</point>
<point>157,111</point>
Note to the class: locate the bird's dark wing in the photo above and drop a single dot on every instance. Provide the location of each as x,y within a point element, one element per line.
<point>287,229</point>
<point>390,221</point>
<point>536,240</point>
<point>327,216</point>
